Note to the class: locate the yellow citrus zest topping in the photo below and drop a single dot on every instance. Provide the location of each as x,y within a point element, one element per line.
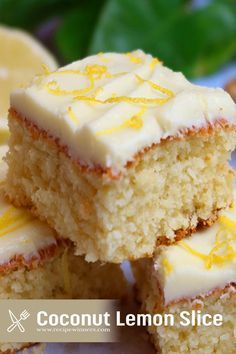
<point>15,228</point>
<point>224,220</point>
<point>102,57</point>
<point>92,72</point>
<point>55,89</point>
<point>163,90</point>
<point>8,217</point>
<point>192,251</point>
<point>46,69</point>
<point>72,115</point>
<point>154,62</point>
<point>118,99</point>
<point>96,72</point>
<point>223,250</point>
<point>136,100</point>
<point>134,58</point>
<point>168,267</point>
<point>122,73</point>
<point>13,219</point>
<point>134,122</point>
<point>97,91</point>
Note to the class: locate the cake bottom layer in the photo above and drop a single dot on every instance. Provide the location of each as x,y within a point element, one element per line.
<point>168,190</point>
<point>191,339</point>
<point>63,276</point>
<point>11,348</point>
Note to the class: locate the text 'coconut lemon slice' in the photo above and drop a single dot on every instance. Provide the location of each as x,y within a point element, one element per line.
<point>21,58</point>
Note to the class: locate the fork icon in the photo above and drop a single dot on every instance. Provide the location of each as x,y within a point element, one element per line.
<point>16,322</point>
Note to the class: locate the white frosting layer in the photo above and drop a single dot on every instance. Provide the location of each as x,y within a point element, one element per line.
<point>110,133</point>
<point>210,263</point>
<point>20,233</point>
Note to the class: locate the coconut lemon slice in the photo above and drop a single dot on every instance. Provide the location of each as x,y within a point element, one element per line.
<point>21,58</point>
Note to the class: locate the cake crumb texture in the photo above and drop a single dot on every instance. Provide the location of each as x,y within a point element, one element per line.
<point>64,277</point>
<point>178,339</point>
<point>173,186</point>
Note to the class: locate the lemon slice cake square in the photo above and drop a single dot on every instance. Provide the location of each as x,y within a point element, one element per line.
<point>116,150</point>
<point>35,264</point>
<point>194,281</point>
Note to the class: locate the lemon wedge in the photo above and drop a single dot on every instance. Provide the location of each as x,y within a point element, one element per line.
<point>21,58</point>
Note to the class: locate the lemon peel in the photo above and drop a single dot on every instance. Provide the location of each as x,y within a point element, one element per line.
<point>13,219</point>
<point>46,70</point>
<point>119,99</point>
<point>21,224</point>
<point>192,251</point>
<point>103,58</point>
<point>10,215</point>
<point>168,267</point>
<point>134,58</point>
<point>57,91</point>
<point>222,251</point>
<point>72,115</point>
<point>135,122</point>
<point>92,72</point>
<point>154,62</point>
<point>95,72</point>
<point>135,100</point>
<point>227,222</point>
<point>155,86</point>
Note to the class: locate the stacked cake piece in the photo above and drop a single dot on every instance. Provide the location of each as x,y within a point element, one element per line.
<point>119,153</point>
<point>194,281</point>
<point>35,264</point>
<point>126,158</point>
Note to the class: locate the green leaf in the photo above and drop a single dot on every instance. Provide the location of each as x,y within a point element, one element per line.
<point>74,34</point>
<point>126,25</point>
<point>194,41</point>
<point>29,13</point>
<point>215,35</point>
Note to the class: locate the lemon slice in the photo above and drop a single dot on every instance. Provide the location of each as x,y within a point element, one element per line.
<point>21,58</point>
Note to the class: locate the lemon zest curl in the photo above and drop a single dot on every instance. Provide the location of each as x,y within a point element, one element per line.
<point>72,115</point>
<point>223,250</point>
<point>135,122</point>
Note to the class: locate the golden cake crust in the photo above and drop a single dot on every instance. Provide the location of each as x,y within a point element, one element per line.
<point>37,132</point>
<point>43,254</point>
<point>182,233</point>
<point>85,196</point>
<point>217,292</point>
<point>24,346</point>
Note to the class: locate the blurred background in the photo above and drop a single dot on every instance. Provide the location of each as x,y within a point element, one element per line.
<point>196,37</point>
